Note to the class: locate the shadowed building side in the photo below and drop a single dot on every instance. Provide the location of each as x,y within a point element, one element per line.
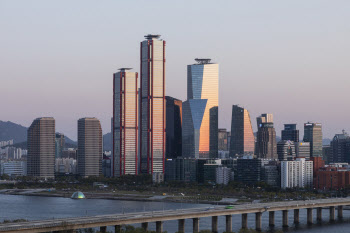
<point>242,136</point>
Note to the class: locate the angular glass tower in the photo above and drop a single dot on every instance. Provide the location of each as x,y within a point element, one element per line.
<point>173,127</point>
<point>152,105</point>
<point>125,125</point>
<point>242,136</point>
<point>202,92</point>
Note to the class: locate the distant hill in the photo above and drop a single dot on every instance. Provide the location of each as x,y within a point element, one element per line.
<point>10,130</point>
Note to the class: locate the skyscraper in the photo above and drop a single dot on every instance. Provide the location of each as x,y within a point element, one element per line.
<point>266,141</point>
<point>290,133</point>
<point>222,142</point>
<point>286,150</point>
<point>173,127</point>
<point>41,148</point>
<point>242,136</point>
<point>264,118</point>
<point>152,104</point>
<point>313,134</point>
<point>340,149</point>
<point>89,147</point>
<point>59,144</point>
<point>200,110</point>
<point>125,126</point>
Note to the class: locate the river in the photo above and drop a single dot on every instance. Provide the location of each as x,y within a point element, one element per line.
<point>35,208</point>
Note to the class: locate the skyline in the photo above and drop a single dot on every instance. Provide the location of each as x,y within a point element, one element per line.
<point>63,66</point>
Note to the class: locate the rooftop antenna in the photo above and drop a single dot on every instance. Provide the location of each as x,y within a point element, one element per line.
<point>124,69</point>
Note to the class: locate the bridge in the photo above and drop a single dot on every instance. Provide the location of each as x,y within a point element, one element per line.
<point>193,214</point>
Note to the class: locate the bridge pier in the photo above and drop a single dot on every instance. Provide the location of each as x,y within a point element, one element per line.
<point>103,229</point>
<point>195,225</point>
<point>319,214</point>
<point>159,226</point>
<point>296,216</point>
<point>284,218</point>
<point>228,223</point>
<point>309,216</point>
<point>272,218</point>
<point>117,229</point>
<point>181,226</point>
<point>144,226</point>
<point>258,221</point>
<point>340,212</point>
<point>244,221</point>
<point>214,224</point>
<point>331,214</point>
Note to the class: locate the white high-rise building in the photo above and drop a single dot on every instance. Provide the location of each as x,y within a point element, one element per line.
<point>14,168</point>
<point>298,173</point>
<point>152,104</point>
<point>125,125</point>
<point>223,175</point>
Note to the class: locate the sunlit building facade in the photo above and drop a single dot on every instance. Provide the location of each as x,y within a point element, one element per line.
<point>200,111</point>
<point>313,134</point>
<point>125,125</point>
<point>152,105</point>
<point>89,147</point>
<point>242,136</point>
<point>41,148</point>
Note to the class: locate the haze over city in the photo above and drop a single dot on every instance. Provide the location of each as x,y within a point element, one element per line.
<point>289,58</point>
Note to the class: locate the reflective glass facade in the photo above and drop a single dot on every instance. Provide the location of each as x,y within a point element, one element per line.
<point>173,127</point>
<point>203,84</point>
<point>242,136</point>
<point>313,134</point>
<point>152,105</point>
<point>125,129</point>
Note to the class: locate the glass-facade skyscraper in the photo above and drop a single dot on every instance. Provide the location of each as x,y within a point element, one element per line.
<point>173,127</point>
<point>313,134</point>
<point>290,133</point>
<point>125,124</point>
<point>242,136</point>
<point>200,111</point>
<point>152,105</point>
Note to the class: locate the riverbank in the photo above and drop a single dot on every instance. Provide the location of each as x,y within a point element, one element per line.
<point>117,196</point>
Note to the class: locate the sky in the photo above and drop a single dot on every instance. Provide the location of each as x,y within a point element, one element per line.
<point>290,58</point>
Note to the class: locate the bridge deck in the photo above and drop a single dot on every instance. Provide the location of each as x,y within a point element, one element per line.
<point>140,217</point>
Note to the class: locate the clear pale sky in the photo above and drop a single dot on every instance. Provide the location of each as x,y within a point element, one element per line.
<point>290,58</point>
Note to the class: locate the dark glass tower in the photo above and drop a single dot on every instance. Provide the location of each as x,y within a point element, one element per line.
<point>242,137</point>
<point>173,148</point>
<point>290,133</point>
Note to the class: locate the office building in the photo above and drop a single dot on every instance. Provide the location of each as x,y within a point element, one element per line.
<point>264,118</point>
<point>41,148</point>
<point>181,169</point>
<point>152,122</point>
<point>228,141</point>
<point>223,175</point>
<point>302,150</point>
<point>326,151</point>
<point>173,127</point>
<point>286,150</point>
<point>296,174</point>
<point>13,168</point>
<point>69,153</point>
<point>242,136</point>
<point>125,125</point>
<point>66,166</point>
<point>200,111</point>
<point>271,175</point>
<point>340,149</point>
<point>313,134</point>
<point>290,133</point>
<point>59,145</point>
<point>248,170</point>
<point>266,141</point>
<point>222,139</point>
<point>89,147</point>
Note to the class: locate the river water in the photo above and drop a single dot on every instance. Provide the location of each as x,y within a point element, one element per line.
<point>35,208</point>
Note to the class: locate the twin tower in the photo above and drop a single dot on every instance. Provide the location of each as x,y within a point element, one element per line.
<point>139,119</point>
